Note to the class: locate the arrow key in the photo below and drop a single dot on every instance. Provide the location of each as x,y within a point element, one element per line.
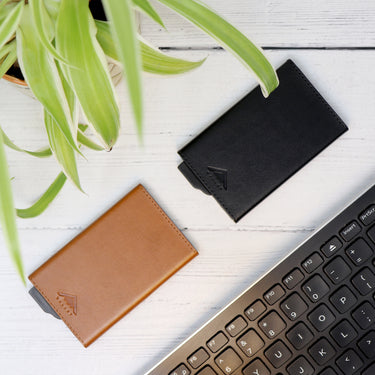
<point>349,362</point>
<point>367,345</point>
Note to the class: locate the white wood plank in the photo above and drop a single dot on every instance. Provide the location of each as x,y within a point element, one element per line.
<point>174,114</point>
<point>228,251</point>
<point>292,23</point>
<point>147,333</point>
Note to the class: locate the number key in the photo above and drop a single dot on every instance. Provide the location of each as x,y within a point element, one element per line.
<point>250,343</point>
<point>315,288</point>
<point>228,361</point>
<point>293,307</point>
<point>272,324</point>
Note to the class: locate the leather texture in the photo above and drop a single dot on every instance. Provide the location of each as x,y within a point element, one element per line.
<point>113,265</point>
<point>260,142</point>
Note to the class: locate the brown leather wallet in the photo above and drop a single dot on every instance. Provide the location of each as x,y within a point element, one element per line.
<point>113,265</point>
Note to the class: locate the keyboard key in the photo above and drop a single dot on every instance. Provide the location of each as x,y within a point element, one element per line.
<point>250,343</point>
<point>359,251</point>
<point>321,318</point>
<point>328,371</point>
<point>367,345</point>
<point>255,310</point>
<point>370,370</point>
<point>349,362</point>
<point>198,358</point>
<point>344,333</point>
<point>364,281</point>
<point>293,307</point>
<point>312,262</point>
<point>207,371</point>
<point>368,215</point>
<point>322,351</point>
<point>364,315</point>
<point>371,233</point>
<point>236,326</point>
<point>272,324</point>
<point>217,342</point>
<point>300,366</point>
<point>180,370</point>
<point>256,367</point>
<point>343,300</point>
<point>299,336</point>
<point>337,270</point>
<point>293,278</point>
<point>228,361</point>
<point>274,294</point>
<point>315,288</point>
<point>331,247</point>
<point>278,354</point>
<point>350,231</point>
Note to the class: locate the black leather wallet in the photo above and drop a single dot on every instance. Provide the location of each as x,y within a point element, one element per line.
<point>259,143</point>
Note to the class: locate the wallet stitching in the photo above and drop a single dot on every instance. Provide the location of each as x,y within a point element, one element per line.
<point>167,219</point>
<point>59,313</point>
<point>218,189</point>
<point>214,191</point>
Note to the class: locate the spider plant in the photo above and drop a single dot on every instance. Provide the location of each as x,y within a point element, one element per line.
<point>63,55</point>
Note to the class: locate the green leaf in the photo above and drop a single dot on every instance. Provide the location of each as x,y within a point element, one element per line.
<point>62,150</point>
<point>8,213</point>
<point>153,60</point>
<point>9,26</point>
<point>85,141</point>
<point>44,201</point>
<point>2,4</point>
<point>10,59</point>
<point>41,18</point>
<point>43,153</point>
<point>41,74</point>
<point>147,8</point>
<point>121,16</point>
<point>230,38</point>
<point>91,83</point>
<point>157,62</point>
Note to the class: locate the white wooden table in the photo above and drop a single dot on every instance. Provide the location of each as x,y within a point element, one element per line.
<point>334,44</point>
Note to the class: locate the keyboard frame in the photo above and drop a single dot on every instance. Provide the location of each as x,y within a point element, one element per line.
<point>272,277</point>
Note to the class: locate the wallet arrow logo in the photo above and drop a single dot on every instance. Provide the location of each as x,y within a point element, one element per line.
<point>221,175</point>
<point>68,301</point>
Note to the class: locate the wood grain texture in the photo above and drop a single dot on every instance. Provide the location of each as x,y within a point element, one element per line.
<point>276,23</point>
<point>231,255</point>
